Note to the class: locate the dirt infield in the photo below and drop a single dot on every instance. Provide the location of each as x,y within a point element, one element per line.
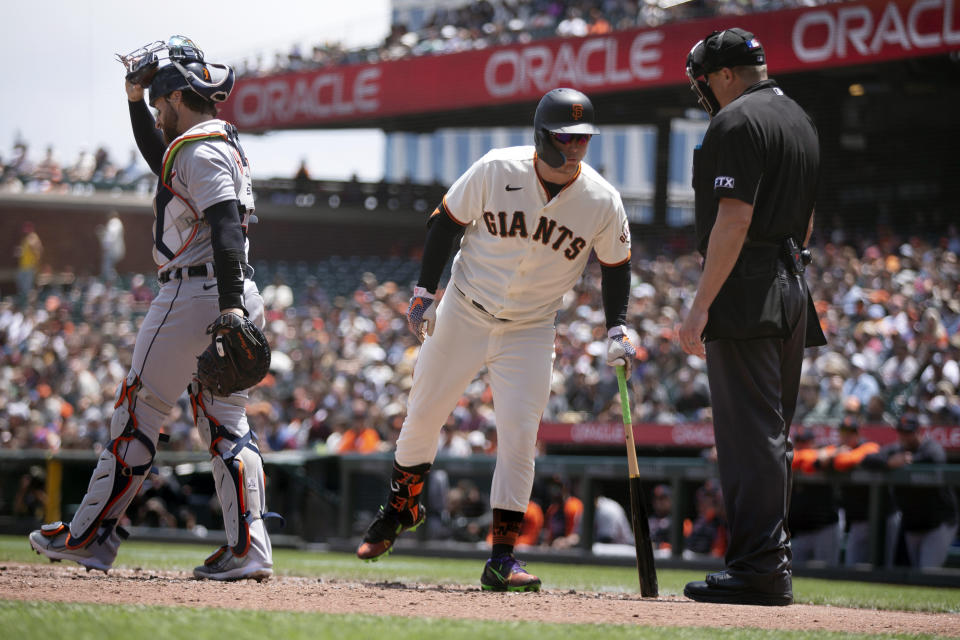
<point>66,583</point>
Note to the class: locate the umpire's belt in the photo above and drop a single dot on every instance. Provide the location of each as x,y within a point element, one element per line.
<point>197,271</point>
<point>478,305</point>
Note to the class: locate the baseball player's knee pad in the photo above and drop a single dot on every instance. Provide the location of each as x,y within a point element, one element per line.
<point>211,430</point>
<point>120,471</point>
<point>239,481</point>
<point>135,407</point>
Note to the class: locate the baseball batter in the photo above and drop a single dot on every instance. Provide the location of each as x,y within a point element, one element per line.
<point>202,205</point>
<point>530,217</point>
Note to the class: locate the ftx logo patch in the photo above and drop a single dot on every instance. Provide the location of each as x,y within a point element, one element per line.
<point>723,182</point>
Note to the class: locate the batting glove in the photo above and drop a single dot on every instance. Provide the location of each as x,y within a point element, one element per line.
<point>619,349</point>
<point>421,314</point>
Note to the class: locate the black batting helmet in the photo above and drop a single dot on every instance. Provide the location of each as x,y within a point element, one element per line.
<point>561,111</point>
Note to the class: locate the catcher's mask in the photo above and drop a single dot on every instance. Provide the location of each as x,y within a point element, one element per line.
<point>721,49</point>
<point>561,111</point>
<point>185,69</point>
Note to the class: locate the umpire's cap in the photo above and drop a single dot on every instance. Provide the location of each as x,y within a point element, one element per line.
<point>728,48</point>
<point>561,111</point>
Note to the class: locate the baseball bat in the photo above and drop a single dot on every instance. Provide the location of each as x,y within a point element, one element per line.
<point>638,510</point>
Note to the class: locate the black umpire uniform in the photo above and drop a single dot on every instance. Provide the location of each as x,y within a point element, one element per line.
<point>760,151</point>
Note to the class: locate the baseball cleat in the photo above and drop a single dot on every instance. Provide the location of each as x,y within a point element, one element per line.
<point>506,573</point>
<point>383,531</point>
<point>50,540</point>
<point>224,566</point>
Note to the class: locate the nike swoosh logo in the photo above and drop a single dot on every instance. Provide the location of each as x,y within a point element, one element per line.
<point>509,188</point>
<point>208,286</point>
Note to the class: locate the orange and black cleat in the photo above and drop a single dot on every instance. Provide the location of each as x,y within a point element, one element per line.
<point>383,531</point>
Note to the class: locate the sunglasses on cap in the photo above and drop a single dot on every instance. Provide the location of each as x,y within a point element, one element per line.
<point>567,138</point>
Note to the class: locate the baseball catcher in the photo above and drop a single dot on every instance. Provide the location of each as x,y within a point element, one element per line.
<point>203,207</point>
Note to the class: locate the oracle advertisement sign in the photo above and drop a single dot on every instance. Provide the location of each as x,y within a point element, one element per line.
<point>847,33</point>
<point>700,435</point>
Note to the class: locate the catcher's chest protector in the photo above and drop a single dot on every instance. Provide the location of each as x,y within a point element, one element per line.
<point>177,221</point>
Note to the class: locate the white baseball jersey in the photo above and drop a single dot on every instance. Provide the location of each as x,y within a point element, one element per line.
<point>522,251</point>
<point>202,167</point>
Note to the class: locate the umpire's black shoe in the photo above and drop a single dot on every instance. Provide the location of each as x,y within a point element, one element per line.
<point>723,588</point>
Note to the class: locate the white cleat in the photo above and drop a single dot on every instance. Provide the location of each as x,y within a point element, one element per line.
<point>50,540</point>
<point>223,565</point>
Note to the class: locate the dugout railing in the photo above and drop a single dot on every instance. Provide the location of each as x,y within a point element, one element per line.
<point>328,500</point>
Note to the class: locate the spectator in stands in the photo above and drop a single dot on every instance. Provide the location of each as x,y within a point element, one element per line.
<point>20,166</point>
<point>130,172</point>
<point>47,173</point>
<point>469,516</point>
<point>562,514</point>
<point>661,521</point>
<point>82,169</point>
<point>814,518</point>
<point>928,517</point>
<point>611,522</point>
<point>706,535</point>
<point>29,253</point>
<point>830,405</point>
<point>860,383</point>
<point>301,179</point>
<point>31,497</point>
<point>360,436</point>
<point>854,499</point>
<point>112,247</point>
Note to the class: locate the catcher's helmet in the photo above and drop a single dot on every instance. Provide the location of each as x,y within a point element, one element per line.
<point>185,70</point>
<point>561,111</point>
<point>728,48</point>
<point>212,82</point>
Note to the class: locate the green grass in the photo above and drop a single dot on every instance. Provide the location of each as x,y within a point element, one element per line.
<point>107,622</point>
<point>46,620</point>
<point>401,568</point>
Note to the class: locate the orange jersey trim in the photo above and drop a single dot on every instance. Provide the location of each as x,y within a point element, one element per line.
<point>543,182</point>
<point>616,264</point>
<point>446,209</point>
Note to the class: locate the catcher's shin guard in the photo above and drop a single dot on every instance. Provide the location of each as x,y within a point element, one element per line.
<point>122,467</point>
<point>238,477</point>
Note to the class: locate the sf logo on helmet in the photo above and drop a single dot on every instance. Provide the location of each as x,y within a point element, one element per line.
<point>577,111</point>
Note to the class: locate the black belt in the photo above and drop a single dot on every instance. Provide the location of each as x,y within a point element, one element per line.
<point>197,271</point>
<point>479,306</point>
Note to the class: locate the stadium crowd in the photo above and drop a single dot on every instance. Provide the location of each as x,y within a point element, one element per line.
<point>20,172</point>
<point>342,364</point>
<point>487,23</point>
<point>342,367</point>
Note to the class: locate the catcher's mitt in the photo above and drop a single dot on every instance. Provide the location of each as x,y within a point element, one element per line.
<point>238,357</point>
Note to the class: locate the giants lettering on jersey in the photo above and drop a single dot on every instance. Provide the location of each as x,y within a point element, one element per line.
<point>498,225</point>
